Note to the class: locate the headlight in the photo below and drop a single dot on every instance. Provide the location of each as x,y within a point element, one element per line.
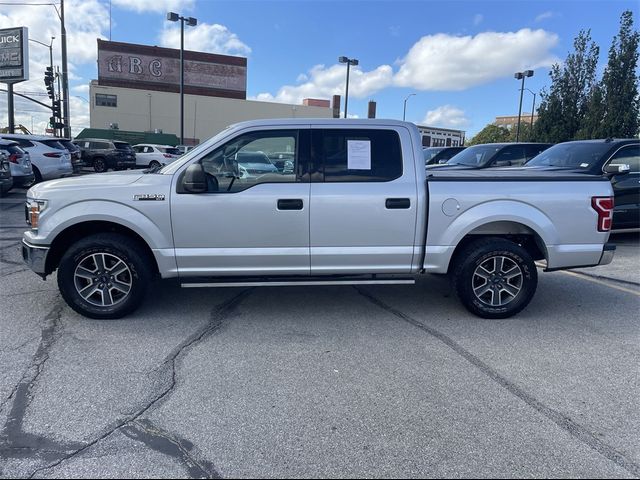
<point>33,209</point>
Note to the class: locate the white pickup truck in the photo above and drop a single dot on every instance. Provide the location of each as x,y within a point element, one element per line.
<point>357,208</point>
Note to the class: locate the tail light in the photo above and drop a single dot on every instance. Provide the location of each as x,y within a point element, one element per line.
<point>604,208</point>
<point>166,155</point>
<point>13,158</point>
<point>52,155</point>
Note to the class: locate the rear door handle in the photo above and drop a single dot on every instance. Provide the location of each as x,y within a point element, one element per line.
<point>290,204</point>
<point>397,203</point>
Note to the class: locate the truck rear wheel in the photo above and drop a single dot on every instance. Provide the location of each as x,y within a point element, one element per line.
<point>104,276</point>
<point>494,278</point>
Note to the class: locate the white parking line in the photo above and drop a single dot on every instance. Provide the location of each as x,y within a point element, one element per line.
<point>601,282</point>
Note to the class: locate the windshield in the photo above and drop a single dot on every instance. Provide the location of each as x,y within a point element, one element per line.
<point>570,155</point>
<point>53,144</point>
<point>431,152</point>
<point>475,156</point>
<point>170,150</point>
<point>122,146</point>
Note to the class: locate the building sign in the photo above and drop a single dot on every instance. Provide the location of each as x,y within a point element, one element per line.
<point>14,55</point>
<point>155,68</point>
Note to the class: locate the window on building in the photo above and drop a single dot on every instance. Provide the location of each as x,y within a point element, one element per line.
<point>104,100</point>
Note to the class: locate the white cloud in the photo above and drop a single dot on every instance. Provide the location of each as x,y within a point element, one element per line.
<point>204,37</point>
<point>324,82</point>
<point>446,62</point>
<point>478,18</point>
<point>160,6</point>
<point>446,116</point>
<point>545,16</point>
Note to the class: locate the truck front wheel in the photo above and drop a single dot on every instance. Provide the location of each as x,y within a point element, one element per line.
<point>494,278</point>
<point>104,276</point>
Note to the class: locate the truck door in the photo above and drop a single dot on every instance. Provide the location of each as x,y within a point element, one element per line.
<point>363,201</point>
<point>249,222</point>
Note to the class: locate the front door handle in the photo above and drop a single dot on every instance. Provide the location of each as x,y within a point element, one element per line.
<point>397,203</point>
<point>290,204</point>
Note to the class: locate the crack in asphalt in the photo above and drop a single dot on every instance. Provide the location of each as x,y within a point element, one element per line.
<point>564,422</point>
<point>162,441</point>
<point>12,437</point>
<point>217,320</point>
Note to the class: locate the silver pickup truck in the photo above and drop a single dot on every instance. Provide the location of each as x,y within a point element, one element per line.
<point>356,208</point>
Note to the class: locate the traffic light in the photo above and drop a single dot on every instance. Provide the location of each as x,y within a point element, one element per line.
<point>48,81</point>
<point>55,108</point>
<point>52,121</point>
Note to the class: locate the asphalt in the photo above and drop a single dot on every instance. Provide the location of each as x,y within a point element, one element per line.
<point>382,381</point>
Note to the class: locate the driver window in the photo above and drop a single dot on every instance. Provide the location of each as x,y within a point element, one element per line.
<point>258,157</point>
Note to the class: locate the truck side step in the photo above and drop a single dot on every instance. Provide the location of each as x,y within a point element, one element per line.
<point>276,283</point>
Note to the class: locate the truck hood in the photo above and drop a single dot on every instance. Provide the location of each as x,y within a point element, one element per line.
<point>98,180</point>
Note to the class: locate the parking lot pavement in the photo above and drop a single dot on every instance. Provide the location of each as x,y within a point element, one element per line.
<point>320,382</point>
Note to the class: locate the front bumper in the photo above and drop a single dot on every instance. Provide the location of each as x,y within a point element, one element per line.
<point>35,257</point>
<point>607,254</point>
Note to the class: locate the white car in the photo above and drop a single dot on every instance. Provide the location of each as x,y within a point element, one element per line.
<point>49,158</point>
<point>150,155</point>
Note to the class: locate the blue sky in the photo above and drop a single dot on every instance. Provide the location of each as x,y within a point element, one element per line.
<point>458,57</point>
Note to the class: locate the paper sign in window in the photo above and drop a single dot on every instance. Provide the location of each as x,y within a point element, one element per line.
<point>359,154</point>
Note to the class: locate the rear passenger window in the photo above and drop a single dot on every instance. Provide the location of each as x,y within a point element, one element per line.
<point>358,155</point>
<point>628,155</point>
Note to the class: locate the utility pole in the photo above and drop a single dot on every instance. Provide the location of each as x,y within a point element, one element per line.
<point>65,77</point>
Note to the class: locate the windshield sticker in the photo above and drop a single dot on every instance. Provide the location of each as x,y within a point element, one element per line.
<point>584,165</point>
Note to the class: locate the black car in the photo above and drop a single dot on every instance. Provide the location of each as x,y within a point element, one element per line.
<point>74,151</point>
<point>489,155</point>
<point>102,154</point>
<point>437,155</point>
<point>617,159</point>
<point>6,181</point>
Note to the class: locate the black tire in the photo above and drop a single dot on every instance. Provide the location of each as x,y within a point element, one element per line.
<point>154,164</point>
<point>99,165</point>
<point>37,176</point>
<point>496,259</point>
<point>107,246</point>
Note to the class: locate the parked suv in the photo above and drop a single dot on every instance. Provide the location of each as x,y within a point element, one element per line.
<point>6,182</point>
<point>489,155</point>
<point>616,159</point>
<point>102,154</point>
<point>19,163</point>
<point>74,151</point>
<point>151,155</point>
<point>49,158</point>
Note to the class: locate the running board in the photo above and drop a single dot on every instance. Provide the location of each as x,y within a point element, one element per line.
<point>266,283</point>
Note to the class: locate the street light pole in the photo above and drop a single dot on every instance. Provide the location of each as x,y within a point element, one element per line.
<point>65,76</point>
<point>349,62</point>
<point>192,22</point>
<point>533,108</point>
<point>518,76</point>
<point>404,110</point>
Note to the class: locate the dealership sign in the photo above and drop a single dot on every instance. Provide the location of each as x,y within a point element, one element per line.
<point>155,68</point>
<point>14,55</point>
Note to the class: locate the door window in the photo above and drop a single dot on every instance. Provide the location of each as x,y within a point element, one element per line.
<point>358,155</point>
<point>245,161</point>
<point>629,155</point>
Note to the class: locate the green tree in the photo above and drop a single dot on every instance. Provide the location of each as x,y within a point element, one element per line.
<point>620,83</point>
<point>563,108</point>
<point>490,134</point>
<point>592,123</point>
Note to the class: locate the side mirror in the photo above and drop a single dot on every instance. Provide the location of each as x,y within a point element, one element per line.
<point>617,168</point>
<point>195,180</point>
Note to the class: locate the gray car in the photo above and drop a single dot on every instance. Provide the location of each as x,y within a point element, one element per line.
<point>19,163</point>
<point>6,182</point>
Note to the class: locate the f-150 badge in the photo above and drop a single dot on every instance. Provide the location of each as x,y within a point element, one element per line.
<point>149,196</point>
